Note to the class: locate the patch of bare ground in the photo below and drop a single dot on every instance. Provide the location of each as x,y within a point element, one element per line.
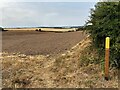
<point>39,43</point>
<point>64,71</point>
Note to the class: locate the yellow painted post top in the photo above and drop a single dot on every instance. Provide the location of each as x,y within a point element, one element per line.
<point>107,42</point>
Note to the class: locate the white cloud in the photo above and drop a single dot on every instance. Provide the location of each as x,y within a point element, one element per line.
<point>18,16</point>
<point>5,3</point>
<point>50,0</point>
<point>52,14</point>
<point>45,14</point>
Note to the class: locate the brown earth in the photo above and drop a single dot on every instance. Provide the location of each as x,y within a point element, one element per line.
<point>43,43</point>
<point>65,71</point>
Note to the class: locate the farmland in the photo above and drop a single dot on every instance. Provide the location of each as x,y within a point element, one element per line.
<point>33,42</point>
<point>63,71</point>
<point>49,59</point>
<point>44,55</point>
<point>42,29</point>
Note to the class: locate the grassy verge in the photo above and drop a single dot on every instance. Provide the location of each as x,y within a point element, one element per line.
<point>78,67</point>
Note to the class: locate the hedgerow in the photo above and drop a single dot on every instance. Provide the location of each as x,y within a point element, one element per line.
<point>105,22</point>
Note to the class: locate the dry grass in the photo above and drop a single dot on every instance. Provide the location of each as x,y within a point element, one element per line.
<point>63,71</point>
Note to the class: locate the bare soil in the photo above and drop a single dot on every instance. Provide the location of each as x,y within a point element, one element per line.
<point>64,71</point>
<point>67,70</point>
<point>43,43</point>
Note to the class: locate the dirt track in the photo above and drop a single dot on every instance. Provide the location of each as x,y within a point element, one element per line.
<point>33,42</point>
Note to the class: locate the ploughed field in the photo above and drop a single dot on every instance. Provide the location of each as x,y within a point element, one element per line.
<point>34,43</point>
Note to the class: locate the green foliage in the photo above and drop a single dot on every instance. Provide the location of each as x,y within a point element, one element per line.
<point>105,22</point>
<point>1,29</point>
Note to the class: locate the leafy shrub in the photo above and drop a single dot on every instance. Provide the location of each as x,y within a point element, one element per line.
<point>1,29</point>
<point>105,22</point>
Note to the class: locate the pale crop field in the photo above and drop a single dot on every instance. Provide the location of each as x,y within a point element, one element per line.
<point>42,29</point>
<point>16,29</point>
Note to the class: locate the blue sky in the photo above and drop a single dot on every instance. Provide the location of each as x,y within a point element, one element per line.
<point>35,14</point>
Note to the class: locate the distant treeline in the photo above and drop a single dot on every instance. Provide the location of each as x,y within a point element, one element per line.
<point>1,29</point>
<point>62,27</point>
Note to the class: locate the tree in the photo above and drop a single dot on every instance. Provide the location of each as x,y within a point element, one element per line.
<point>105,22</point>
<point>1,29</point>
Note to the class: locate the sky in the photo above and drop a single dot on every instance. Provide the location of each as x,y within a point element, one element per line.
<point>36,14</point>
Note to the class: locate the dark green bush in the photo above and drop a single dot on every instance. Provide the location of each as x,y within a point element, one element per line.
<point>105,21</point>
<point>1,29</point>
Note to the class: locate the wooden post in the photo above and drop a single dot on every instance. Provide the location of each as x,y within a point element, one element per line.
<point>107,46</point>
